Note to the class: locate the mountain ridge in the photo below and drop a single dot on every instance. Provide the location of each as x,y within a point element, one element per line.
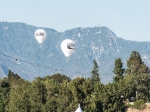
<point>92,43</point>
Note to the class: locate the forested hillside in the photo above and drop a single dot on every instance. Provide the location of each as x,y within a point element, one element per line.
<point>59,93</point>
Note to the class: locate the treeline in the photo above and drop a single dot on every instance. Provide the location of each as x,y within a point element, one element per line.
<point>59,93</point>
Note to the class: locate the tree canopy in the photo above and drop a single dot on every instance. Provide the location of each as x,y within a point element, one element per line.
<point>57,93</point>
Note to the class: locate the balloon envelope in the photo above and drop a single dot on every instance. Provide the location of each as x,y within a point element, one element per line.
<point>40,35</point>
<point>67,47</point>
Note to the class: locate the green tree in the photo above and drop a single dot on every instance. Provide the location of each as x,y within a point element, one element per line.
<point>58,77</point>
<point>52,95</point>
<point>135,65</point>
<point>76,95</point>
<point>87,88</point>
<point>4,93</point>
<point>64,97</point>
<point>37,95</point>
<point>128,86</point>
<point>111,98</point>
<point>96,98</point>
<point>14,79</point>
<point>118,70</point>
<point>139,75</point>
<point>142,86</point>
<point>19,98</point>
<point>95,75</point>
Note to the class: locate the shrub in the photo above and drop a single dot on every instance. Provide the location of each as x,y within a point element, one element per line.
<point>139,104</point>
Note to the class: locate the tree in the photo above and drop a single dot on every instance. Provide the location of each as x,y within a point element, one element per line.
<point>14,79</point>
<point>19,99</point>
<point>135,64</point>
<point>37,95</point>
<point>77,91</point>
<point>139,72</point>
<point>58,77</point>
<point>111,98</point>
<point>64,97</point>
<point>95,99</point>
<point>118,70</point>
<point>4,91</point>
<point>142,86</point>
<point>95,74</point>
<point>52,94</point>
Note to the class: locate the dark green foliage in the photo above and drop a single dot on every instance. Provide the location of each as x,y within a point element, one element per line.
<point>4,83</point>
<point>14,80</point>
<point>58,77</point>
<point>58,93</point>
<point>139,75</point>
<point>141,86</point>
<point>95,74</point>
<point>118,70</point>
<point>135,64</point>
<point>51,105</point>
<point>19,99</point>
<point>95,99</point>
<point>38,95</point>
<point>4,91</point>
<point>111,98</point>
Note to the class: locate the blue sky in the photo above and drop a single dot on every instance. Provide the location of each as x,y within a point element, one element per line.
<point>128,19</point>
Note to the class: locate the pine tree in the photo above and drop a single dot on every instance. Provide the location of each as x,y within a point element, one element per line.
<point>95,74</point>
<point>118,70</point>
<point>139,71</point>
<point>135,64</point>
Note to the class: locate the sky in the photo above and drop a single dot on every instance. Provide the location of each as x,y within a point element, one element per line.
<point>128,19</point>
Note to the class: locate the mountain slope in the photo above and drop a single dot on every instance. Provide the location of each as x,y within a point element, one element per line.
<point>21,53</point>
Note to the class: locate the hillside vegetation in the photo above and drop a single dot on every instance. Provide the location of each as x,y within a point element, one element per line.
<point>59,93</point>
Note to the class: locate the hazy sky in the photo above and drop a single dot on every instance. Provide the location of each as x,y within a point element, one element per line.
<point>128,19</point>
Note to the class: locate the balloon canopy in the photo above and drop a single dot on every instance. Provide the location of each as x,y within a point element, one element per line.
<point>40,35</point>
<point>67,47</point>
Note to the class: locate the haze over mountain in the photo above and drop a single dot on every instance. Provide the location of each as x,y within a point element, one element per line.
<point>21,53</point>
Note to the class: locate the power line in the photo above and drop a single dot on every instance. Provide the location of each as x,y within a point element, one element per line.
<point>16,59</point>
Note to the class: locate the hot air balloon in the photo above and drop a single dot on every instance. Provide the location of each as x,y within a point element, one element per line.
<point>40,35</point>
<point>67,47</point>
